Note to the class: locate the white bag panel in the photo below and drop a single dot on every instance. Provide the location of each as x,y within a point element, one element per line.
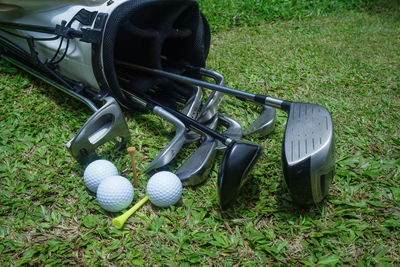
<point>43,5</point>
<point>78,62</point>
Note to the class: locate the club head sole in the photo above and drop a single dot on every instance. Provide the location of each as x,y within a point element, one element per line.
<point>264,124</point>
<point>196,168</point>
<point>308,153</point>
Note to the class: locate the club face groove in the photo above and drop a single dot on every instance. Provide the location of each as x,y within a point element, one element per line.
<point>308,152</point>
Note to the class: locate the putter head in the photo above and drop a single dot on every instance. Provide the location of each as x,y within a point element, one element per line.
<point>237,161</point>
<point>104,125</point>
<point>196,168</point>
<point>264,124</point>
<point>172,149</point>
<point>308,152</point>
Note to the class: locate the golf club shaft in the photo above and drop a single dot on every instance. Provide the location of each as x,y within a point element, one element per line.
<point>258,99</point>
<point>189,122</point>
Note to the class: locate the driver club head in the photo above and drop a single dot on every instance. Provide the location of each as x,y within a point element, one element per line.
<point>264,124</point>
<point>238,159</point>
<point>308,152</point>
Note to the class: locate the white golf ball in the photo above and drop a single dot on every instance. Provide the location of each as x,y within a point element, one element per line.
<point>115,193</point>
<point>164,189</point>
<point>96,172</point>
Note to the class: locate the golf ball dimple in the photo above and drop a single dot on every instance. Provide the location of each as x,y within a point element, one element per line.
<point>96,172</point>
<point>115,193</point>
<point>164,189</point>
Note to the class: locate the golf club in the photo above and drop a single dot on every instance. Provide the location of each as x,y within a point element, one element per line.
<point>192,136</point>
<point>193,104</point>
<point>308,145</point>
<point>196,168</point>
<point>231,177</point>
<point>173,147</point>
<point>171,150</point>
<point>264,124</point>
<point>210,107</point>
<point>234,130</point>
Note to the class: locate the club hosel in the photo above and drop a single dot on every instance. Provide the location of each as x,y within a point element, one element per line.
<point>273,102</point>
<point>228,141</point>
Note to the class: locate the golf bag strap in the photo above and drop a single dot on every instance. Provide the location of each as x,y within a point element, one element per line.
<point>85,17</point>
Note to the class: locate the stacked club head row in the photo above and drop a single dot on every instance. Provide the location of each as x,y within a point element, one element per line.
<point>308,153</point>
<point>196,168</point>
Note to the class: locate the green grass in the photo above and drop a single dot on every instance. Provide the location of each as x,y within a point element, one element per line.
<point>226,14</point>
<point>348,62</point>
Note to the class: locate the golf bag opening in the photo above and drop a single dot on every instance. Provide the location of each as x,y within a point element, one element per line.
<point>157,34</point>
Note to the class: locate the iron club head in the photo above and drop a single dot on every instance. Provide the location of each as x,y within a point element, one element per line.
<point>210,107</point>
<point>196,168</point>
<point>193,104</point>
<point>264,124</point>
<point>192,136</point>
<point>171,150</point>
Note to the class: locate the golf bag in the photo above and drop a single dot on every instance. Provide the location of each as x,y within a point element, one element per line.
<point>75,45</point>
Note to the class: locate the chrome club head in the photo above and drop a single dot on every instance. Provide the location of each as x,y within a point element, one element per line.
<point>264,124</point>
<point>196,168</point>
<point>308,152</point>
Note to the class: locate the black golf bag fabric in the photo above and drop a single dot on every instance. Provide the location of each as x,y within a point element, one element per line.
<point>157,34</point>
